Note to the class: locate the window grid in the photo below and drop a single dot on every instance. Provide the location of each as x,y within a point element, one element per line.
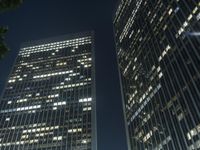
<point>28,100</point>
<point>159,57</point>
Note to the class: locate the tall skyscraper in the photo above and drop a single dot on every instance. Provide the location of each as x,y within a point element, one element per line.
<point>158,50</point>
<point>49,100</point>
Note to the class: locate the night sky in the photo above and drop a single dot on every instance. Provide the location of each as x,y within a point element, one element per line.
<point>38,19</point>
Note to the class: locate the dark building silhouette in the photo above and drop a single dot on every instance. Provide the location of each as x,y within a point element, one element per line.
<point>49,100</point>
<point>158,51</point>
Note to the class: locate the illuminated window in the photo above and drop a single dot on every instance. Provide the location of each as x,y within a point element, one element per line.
<point>195,10</point>
<point>160,75</point>
<point>70,85</point>
<point>52,74</point>
<point>29,95</point>
<point>59,103</point>
<point>9,102</point>
<point>85,100</point>
<point>57,138</point>
<point>7,119</point>
<point>54,108</point>
<point>21,100</point>
<point>87,108</point>
<point>74,130</point>
<point>24,136</point>
<point>147,136</point>
<point>52,96</point>
<point>11,81</point>
<point>84,141</point>
<point>193,132</point>
<point>170,11</point>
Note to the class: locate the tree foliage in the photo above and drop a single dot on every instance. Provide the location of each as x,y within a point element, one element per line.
<point>3,47</point>
<point>6,5</point>
<point>9,4</point>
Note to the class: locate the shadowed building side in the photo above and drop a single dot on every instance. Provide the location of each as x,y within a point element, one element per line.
<point>158,57</point>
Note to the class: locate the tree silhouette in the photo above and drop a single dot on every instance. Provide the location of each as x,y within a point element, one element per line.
<point>6,5</point>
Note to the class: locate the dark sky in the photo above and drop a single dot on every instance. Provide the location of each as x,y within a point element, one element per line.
<point>38,19</point>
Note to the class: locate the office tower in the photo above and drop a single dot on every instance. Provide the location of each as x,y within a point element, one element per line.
<point>49,99</point>
<point>158,50</point>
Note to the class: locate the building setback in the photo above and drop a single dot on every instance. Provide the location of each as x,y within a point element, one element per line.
<point>49,100</point>
<point>158,51</point>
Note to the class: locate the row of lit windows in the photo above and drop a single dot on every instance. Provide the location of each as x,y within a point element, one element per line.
<point>59,43</point>
<point>21,109</point>
<point>147,136</point>
<point>87,108</point>
<point>52,74</point>
<point>37,94</point>
<point>164,53</point>
<point>40,129</point>
<point>132,96</point>
<point>53,96</point>
<point>56,138</point>
<point>22,100</point>
<point>84,60</point>
<point>58,63</point>
<point>145,102</point>
<point>20,142</point>
<point>61,64</point>
<point>45,131</point>
<point>22,127</point>
<point>15,77</point>
<point>39,106</point>
<point>52,46</point>
<point>127,67</point>
<point>70,85</point>
<point>59,103</point>
<point>28,64</point>
<point>75,130</point>
<point>186,23</point>
<point>49,96</point>
<point>193,132</point>
<point>80,100</point>
<point>85,100</point>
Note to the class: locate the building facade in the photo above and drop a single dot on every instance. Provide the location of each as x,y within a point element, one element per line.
<point>158,51</point>
<point>49,100</point>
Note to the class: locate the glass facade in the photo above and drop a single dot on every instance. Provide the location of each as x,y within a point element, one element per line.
<point>49,100</point>
<point>158,51</point>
